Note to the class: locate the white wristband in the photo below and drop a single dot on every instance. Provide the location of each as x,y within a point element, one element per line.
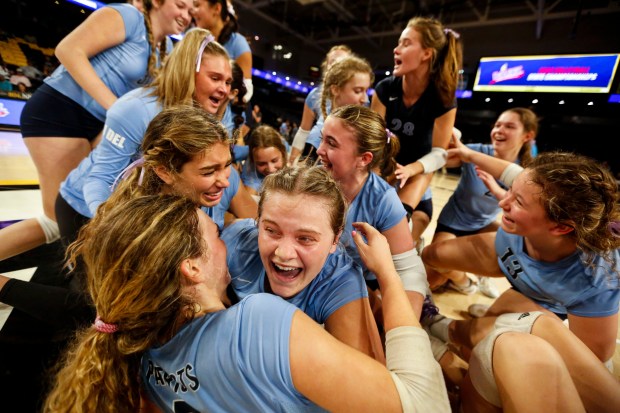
<point>410,268</point>
<point>299,141</point>
<point>434,160</point>
<point>510,174</point>
<point>249,89</point>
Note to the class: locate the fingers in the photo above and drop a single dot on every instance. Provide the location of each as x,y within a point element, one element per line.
<point>403,182</point>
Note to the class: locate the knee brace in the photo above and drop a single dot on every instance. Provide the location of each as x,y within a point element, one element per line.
<point>481,361</point>
<point>49,227</point>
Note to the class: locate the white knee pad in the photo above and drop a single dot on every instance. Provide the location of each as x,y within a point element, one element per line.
<point>481,361</point>
<point>49,227</point>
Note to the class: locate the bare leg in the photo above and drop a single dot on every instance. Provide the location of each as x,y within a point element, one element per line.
<point>20,237</point>
<point>598,388</point>
<point>532,377</point>
<point>54,159</point>
<point>419,222</point>
<point>437,278</point>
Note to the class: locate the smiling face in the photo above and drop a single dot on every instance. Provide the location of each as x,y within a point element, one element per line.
<point>204,178</point>
<point>173,16</point>
<point>213,82</point>
<point>409,54</point>
<point>523,212</point>
<point>353,92</point>
<point>206,15</point>
<point>267,160</point>
<point>294,240</point>
<point>338,150</point>
<point>508,134</point>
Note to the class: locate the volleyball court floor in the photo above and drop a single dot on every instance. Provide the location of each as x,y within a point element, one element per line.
<point>17,170</point>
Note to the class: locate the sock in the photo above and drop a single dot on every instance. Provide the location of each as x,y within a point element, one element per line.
<point>440,329</point>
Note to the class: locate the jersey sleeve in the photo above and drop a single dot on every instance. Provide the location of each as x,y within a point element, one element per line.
<point>391,211</point>
<point>132,18</point>
<point>346,286</point>
<point>121,140</point>
<point>603,304</point>
<point>382,90</point>
<point>237,45</point>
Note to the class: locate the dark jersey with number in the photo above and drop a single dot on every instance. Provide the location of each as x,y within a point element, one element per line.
<point>413,125</point>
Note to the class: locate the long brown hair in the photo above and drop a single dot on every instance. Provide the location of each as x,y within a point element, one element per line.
<point>174,137</point>
<point>133,255</point>
<point>447,57</point>
<point>371,135</point>
<point>529,120</point>
<point>579,192</point>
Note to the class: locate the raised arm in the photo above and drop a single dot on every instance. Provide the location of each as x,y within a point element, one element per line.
<point>299,141</point>
<point>436,158</point>
<point>408,264</point>
<point>102,30</point>
<point>341,379</point>
<point>500,169</point>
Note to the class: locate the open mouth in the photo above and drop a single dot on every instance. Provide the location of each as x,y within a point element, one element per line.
<point>215,101</point>
<point>397,62</point>
<point>284,272</point>
<point>213,196</point>
<point>326,164</point>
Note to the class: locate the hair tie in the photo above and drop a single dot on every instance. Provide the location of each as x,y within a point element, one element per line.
<point>454,34</point>
<point>231,9</point>
<point>124,174</point>
<point>614,228</point>
<point>389,135</point>
<point>103,327</point>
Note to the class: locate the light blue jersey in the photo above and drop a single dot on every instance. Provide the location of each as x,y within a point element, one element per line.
<point>378,204</point>
<point>250,177</point>
<point>472,206</point>
<point>339,282</point>
<point>88,185</point>
<point>236,46</point>
<point>121,68</point>
<point>235,360</point>
<point>565,287</point>
<point>315,137</point>
<point>313,101</point>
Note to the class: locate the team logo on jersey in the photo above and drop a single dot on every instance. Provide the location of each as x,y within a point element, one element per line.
<point>181,380</point>
<point>509,259</point>
<point>4,112</point>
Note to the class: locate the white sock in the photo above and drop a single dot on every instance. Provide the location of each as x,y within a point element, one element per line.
<point>440,329</point>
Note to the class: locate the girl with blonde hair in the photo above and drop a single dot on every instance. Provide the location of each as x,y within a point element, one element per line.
<point>345,83</point>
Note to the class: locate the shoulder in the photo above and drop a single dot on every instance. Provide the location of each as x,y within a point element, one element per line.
<point>241,232</point>
<point>132,17</point>
<point>136,108</point>
<point>387,85</point>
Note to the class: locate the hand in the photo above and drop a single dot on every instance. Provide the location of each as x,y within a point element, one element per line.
<point>460,151</point>
<point>403,173</point>
<point>375,254</point>
<point>491,183</point>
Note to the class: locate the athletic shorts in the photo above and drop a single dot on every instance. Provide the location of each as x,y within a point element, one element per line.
<point>49,113</point>
<point>426,206</point>
<point>456,232</point>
